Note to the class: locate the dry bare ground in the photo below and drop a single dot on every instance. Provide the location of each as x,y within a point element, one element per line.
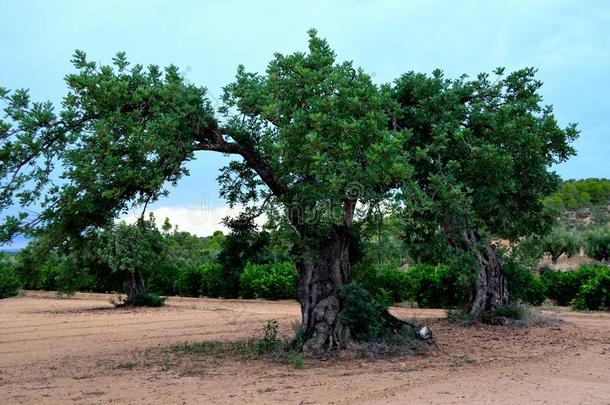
<point>83,350</point>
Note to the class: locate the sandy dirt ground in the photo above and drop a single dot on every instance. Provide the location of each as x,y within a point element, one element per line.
<point>82,350</point>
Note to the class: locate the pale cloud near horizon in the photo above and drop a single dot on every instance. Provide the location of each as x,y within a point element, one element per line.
<point>198,219</point>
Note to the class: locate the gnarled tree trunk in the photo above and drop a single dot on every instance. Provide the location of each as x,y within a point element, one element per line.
<point>322,274</point>
<point>490,291</point>
<point>135,286</point>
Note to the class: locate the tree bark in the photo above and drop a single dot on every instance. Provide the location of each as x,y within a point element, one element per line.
<point>490,291</point>
<point>322,274</point>
<point>135,286</point>
<point>554,258</point>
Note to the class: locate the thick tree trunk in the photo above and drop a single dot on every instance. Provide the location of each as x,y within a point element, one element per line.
<point>490,291</point>
<point>135,286</point>
<point>322,274</point>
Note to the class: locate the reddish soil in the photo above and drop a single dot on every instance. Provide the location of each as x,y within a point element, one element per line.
<point>82,350</point>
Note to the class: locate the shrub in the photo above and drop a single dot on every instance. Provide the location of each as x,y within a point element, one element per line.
<point>520,315</point>
<point>148,300</point>
<point>383,279</point>
<point>598,244</point>
<point>9,283</point>
<point>511,311</point>
<point>189,282</point>
<point>461,316</point>
<point>363,313</point>
<point>523,285</point>
<point>561,241</point>
<point>562,287</point>
<point>202,281</point>
<point>595,293</point>
<point>269,281</point>
<point>163,279</point>
<point>270,341</point>
<point>439,286</point>
<point>211,280</point>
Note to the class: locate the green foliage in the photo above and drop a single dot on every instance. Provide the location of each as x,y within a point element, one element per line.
<point>363,313</point>
<point>598,243</point>
<point>270,341</point>
<point>163,278</point>
<point>511,311</point>
<point>522,284</point>
<point>190,282</point>
<point>461,316</point>
<point>296,359</point>
<point>561,241</point>
<point>213,283</point>
<point>595,293</point>
<point>205,280</point>
<point>136,248</point>
<point>269,281</point>
<point>9,283</point>
<point>439,286</point>
<point>383,280</point>
<point>585,193</point>
<point>563,287</point>
<point>147,300</point>
<point>481,151</point>
<point>120,135</point>
<point>243,245</point>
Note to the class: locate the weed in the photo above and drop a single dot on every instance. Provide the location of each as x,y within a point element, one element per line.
<point>270,341</point>
<point>126,366</point>
<point>296,359</point>
<point>460,316</point>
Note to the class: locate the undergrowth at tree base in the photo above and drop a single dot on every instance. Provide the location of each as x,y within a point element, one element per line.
<point>271,347</point>
<point>513,314</point>
<point>140,300</point>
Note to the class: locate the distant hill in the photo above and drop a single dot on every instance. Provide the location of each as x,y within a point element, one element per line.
<point>11,250</point>
<point>579,194</point>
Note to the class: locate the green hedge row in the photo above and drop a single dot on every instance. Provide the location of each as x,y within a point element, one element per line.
<point>9,283</point>
<point>269,281</point>
<point>430,286</point>
<point>587,287</point>
<point>442,286</point>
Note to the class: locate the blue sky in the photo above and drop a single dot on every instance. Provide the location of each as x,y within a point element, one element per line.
<point>568,41</point>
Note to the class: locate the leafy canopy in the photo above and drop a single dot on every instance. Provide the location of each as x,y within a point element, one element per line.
<point>481,151</point>
<point>310,132</point>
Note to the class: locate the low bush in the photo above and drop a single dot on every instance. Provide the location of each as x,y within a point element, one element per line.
<point>563,286</point>
<point>164,278</point>
<point>383,280</point>
<point>202,281</point>
<point>9,283</point>
<point>595,293</point>
<point>147,300</point>
<point>523,285</point>
<point>271,340</point>
<point>598,244</point>
<point>363,313</point>
<point>269,281</point>
<point>211,280</point>
<point>439,286</point>
<point>518,314</point>
<point>189,282</point>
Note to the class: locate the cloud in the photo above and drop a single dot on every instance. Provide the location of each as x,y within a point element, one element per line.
<point>199,219</point>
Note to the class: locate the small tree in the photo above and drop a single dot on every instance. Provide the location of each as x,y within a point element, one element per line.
<point>561,241</point>
<point>133,251</point>
<point>243,245</point>
<point>598,244</point>
<point>480,151</point>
